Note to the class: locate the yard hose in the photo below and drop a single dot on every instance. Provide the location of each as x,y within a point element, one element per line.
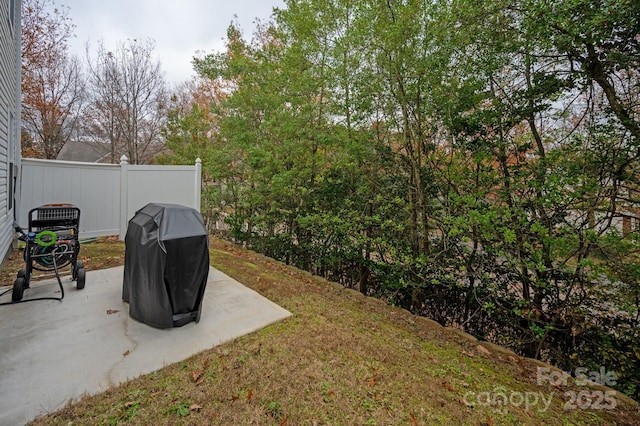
<point>51,240</point>
<point>55,268</point>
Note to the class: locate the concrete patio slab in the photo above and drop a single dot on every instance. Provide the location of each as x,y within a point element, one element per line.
<point>55,351</point>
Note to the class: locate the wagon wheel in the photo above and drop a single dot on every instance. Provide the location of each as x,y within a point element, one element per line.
<point>81,275</point>
<point>18,289</point>
<point>78,265</point>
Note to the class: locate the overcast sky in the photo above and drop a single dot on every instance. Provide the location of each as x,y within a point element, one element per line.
<point>180,28</point>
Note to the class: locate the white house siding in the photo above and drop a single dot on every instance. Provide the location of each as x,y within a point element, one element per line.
<point>9,115</point>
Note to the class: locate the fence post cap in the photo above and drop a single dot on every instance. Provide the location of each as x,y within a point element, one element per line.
<point>124,159</point>
<point>198,160</point>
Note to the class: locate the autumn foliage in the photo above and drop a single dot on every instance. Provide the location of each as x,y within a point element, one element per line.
<point>51,83</point>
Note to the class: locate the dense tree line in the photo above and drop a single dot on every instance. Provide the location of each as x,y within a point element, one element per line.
<point>474,162</point>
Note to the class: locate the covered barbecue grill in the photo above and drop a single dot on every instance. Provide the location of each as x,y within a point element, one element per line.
<point>166,265</point>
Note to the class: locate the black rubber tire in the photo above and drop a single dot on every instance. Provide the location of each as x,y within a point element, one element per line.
<point>23,274</point>
<point>79,265</point>
<point>81,275</point>
<point>18,289</point>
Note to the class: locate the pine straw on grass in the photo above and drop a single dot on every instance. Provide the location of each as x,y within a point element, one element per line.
<point>341,359</point>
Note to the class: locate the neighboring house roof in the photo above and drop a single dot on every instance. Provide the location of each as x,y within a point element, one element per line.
<point>98,152</point>
<point>90,152</point>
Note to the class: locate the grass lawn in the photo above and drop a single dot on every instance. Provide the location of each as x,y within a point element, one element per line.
<point>341,359</point>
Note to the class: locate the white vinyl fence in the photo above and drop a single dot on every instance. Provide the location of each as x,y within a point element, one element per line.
<point>108,195</point>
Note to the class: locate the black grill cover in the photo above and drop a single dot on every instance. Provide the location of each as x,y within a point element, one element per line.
<point>166,265</point>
